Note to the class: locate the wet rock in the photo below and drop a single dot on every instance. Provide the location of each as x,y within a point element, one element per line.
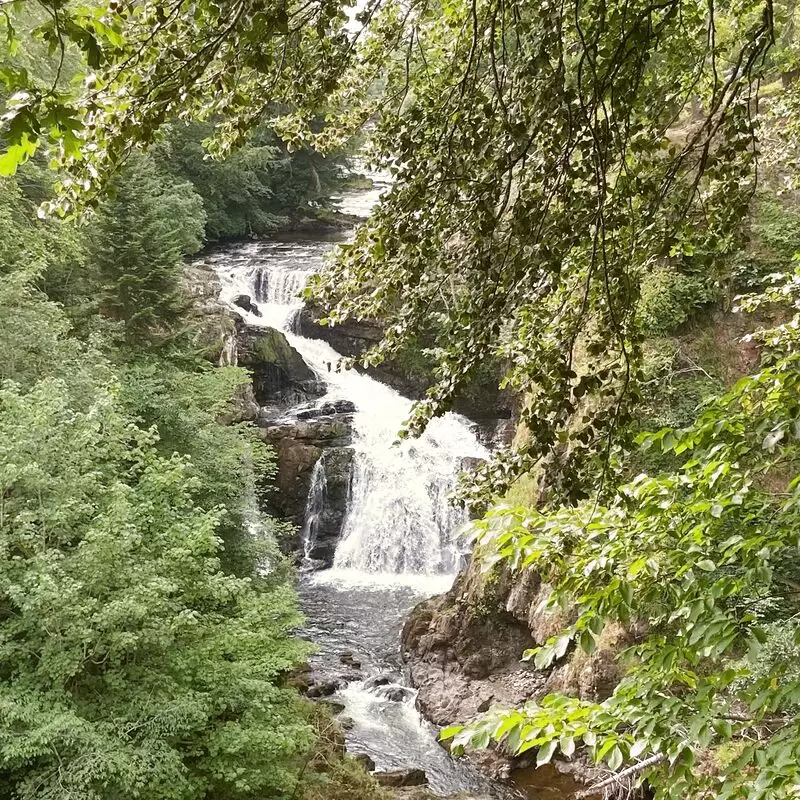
<point>379,680</point>
<point>332,706</point>
<point>322,688</point>
<point>326,410</point>
<point>322,432</point>
<point>245,302</point>
<point>365,761</point>
<point>348,659</point>
<point>280,375</point>
<point>396,694</point>
<point>295,461</point>
<point>269,415</point>
<point>346,723</point>
<point>300,678</point>
<point>401,777</point>
<point>337,464</point>
<point>463,650</point>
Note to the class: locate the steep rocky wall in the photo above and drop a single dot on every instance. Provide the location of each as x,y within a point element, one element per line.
<point>463,649</point>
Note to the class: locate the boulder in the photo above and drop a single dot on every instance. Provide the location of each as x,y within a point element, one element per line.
<point>395,694</point>
<point>326,410</point>
<point>280,375</point>
<point>463,650</point>
<point>322,688</point>
<point>349,660</point>
<point>401,777</point>
<point>365,761</point>
<point>245,302</point>
<point>379,680</point>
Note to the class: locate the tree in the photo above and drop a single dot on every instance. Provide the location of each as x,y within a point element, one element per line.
<point>136,245</point>
<point>705,558</point>
<point>130,663</point>
<point>255,188</point>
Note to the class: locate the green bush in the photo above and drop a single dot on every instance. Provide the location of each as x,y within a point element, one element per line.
<point>668,298</point>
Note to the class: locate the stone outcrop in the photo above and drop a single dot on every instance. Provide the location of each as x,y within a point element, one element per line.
<point>213,326</point>
<point>401,777</point>
<point>299,443</point>
<point>337,466</point>
<point>463,650</point>
<point>280,375</point>
<point>245,302</point>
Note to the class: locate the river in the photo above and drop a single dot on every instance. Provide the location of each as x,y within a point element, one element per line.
<point>399,542</point>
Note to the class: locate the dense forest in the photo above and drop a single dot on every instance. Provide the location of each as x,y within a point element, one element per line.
<point>593,208</point>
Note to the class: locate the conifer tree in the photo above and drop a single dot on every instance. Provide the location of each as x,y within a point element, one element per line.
<point>136,247</point>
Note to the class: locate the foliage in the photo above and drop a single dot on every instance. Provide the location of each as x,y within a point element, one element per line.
<point>693,553</point>
<point>185,406</point>
<point>130,664</point>
<point>541,168</point>
<point>611,126</point>
<point>330,774</point>
<point>774,238</point>
<point>668,298</point>
<point>252,190</point>
<point>136,244</point>
<point>145,65</point>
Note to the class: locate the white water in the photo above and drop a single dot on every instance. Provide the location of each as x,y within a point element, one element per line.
<point>399,521</point>
<point>399,542</point>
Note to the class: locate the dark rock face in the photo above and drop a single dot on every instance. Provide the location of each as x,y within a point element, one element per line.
<point>215,325</point>
<point>299,444</point>
<point>463,650</point>
<point>337,464</point>
<point>365,761</point>
<point>401,777</point>
<point>280,375</point>
<point>244,301</point>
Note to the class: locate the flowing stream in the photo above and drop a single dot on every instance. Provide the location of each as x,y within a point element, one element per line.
<point>399,541</point>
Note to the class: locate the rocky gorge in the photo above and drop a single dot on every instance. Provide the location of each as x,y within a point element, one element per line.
<point>448,657</point>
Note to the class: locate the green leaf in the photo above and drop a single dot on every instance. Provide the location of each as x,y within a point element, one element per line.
<point>450,731</point>
<point>546,753</point>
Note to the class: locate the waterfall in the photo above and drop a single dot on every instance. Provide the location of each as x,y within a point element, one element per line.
<point>398,520</point>
<point>314,508</point>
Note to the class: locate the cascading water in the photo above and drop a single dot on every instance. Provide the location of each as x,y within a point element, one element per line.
<point>399,536</point>
<point>314,507</point>
<point>399,520</point>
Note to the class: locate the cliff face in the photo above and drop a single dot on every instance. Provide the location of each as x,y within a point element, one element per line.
<point>463,648</point>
